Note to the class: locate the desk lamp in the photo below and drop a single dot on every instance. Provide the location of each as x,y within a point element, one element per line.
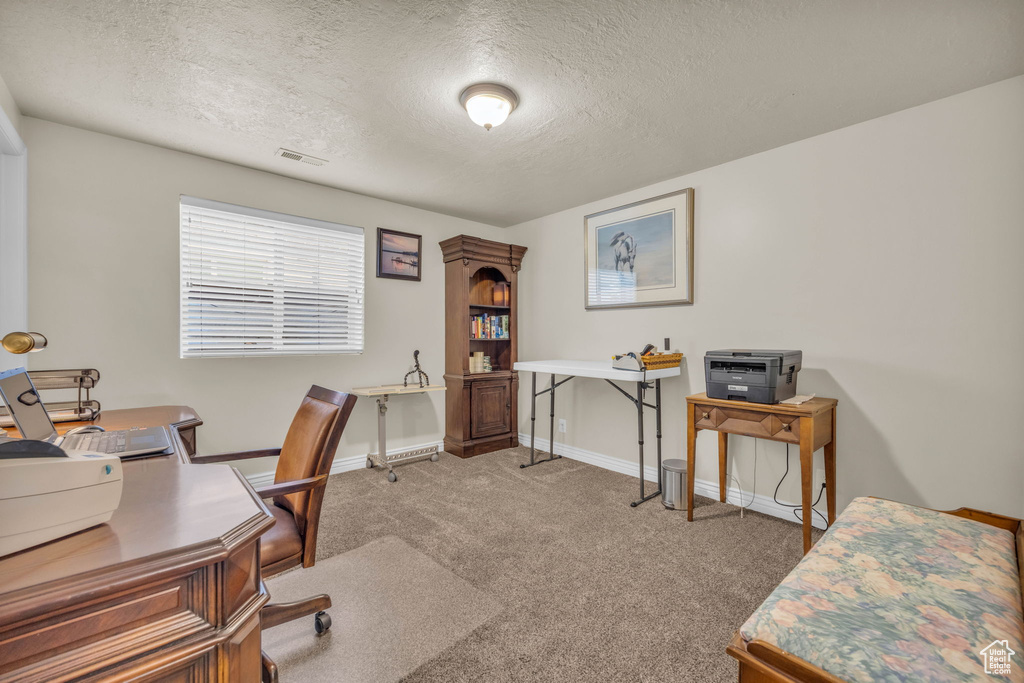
<point>24,342</point>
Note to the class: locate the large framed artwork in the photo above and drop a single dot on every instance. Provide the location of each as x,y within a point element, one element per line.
<point>640,254</point>
<point>398,254</point>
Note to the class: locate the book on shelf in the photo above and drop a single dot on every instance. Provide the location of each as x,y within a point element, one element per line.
<point>487,326</point>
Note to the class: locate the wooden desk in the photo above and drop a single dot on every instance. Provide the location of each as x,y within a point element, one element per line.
<point>810,425</point>
<point>168,590</point>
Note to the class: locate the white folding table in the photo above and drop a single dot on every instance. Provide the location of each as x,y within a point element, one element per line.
<point>598,369</point>
<point>381,457</point>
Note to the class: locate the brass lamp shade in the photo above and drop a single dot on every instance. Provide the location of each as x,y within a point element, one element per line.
<point>23,342</point>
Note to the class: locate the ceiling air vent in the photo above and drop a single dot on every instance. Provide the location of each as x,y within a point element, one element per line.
<point>298,156</point>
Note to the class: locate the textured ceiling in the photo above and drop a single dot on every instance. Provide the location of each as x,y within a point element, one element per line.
<point>614,95</point>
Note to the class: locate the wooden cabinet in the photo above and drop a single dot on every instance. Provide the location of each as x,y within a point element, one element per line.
<point>489,411</point>
<point>481,304</point>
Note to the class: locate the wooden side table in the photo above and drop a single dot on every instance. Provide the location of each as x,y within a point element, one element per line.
<point>811,425</point>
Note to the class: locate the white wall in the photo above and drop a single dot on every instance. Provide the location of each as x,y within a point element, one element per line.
<point>9,106</point>
<point>104,289</point>
<point>13,223</point>
<point>889,252</point>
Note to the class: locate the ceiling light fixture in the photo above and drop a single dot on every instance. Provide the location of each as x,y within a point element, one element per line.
<point>488,104</point>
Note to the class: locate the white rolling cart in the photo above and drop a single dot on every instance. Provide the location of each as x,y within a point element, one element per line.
<point>381,457</point>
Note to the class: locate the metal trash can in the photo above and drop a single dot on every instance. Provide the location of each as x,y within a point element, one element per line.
<point>673,484</point>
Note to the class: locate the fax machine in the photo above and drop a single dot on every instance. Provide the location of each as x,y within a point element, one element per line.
<point>755,375</point>
<point>47,493</point>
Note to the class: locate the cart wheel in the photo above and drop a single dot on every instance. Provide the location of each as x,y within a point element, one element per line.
<point>392,477</point>
<point>435,457</point>
<point>369,464</point>
<point>322,622</point>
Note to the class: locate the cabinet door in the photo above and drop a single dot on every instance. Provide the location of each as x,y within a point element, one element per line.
<point>489,408</point>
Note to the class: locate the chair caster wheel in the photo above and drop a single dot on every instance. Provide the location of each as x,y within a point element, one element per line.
<point>369,464</point>
<point>392,477</point>
<point>322,622</point>
<point>435,457</point>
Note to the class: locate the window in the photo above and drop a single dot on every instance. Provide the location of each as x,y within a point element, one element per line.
<point>256,283</point>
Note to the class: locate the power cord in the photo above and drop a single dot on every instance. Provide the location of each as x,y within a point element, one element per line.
<point>739,485</point>
<point>796,508</point>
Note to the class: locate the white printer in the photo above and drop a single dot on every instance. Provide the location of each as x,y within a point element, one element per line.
<point>46,493</point>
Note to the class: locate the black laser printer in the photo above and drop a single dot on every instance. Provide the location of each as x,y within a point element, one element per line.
<point>754,375</point>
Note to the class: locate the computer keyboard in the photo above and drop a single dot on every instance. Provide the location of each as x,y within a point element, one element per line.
<point>102,442</point>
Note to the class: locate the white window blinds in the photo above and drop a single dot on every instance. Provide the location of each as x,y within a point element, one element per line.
<point>256,283</point>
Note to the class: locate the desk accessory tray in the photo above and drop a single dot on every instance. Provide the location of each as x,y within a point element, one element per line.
<point>81,410</point>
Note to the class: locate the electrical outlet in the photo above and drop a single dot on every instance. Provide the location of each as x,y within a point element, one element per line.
<point>818,481</point>
<point>561,426</point>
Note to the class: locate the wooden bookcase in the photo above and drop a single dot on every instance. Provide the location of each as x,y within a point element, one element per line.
<point>480,407</point>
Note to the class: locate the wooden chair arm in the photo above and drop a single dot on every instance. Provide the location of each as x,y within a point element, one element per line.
<point>286,487</point>
<point>241,455</point>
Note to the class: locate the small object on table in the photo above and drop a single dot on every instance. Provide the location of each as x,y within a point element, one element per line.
<point>420,375</point>
<point>627,361</point>
<point>382,458</point>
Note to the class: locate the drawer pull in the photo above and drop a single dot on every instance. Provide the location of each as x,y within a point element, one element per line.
<point>787,427</point>
<point>706,416</point>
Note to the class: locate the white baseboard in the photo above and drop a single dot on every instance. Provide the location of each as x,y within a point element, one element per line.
<point>354,462</point>
<point>701,487</point>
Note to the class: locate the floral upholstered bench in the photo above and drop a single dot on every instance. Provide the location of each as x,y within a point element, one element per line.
<point>893,592</point>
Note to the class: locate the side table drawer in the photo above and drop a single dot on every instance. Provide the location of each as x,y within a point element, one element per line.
<point>777,427</point>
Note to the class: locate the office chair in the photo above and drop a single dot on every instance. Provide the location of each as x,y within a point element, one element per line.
<point>295,498</point>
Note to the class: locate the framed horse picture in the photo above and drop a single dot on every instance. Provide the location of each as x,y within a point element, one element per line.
<point>640,254</point>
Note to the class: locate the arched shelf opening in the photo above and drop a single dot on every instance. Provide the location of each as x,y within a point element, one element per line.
<point>488,288</point>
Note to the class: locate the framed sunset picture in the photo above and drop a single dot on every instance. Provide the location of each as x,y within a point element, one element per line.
<point>399,254</point>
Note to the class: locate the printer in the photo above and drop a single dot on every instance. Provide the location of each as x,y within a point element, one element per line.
<point>47,493</point>
<point>754,375</point>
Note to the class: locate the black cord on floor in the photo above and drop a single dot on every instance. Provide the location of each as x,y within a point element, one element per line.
<point>796,508</point>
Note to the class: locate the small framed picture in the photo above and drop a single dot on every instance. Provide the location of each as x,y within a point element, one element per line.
<point>640,254</point>
<point>399,254</point>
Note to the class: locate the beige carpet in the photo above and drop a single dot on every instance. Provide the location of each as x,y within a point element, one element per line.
<point>586,588</point>
<point>394,609</point>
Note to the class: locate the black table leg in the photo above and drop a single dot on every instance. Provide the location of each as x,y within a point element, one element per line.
<point>533,420</point>
<point>657,412</point>
<point>551,415</point>
<point>640,443</point>
<point>533,412</point>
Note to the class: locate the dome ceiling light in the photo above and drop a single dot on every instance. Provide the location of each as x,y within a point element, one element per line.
<point>488,104</point>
